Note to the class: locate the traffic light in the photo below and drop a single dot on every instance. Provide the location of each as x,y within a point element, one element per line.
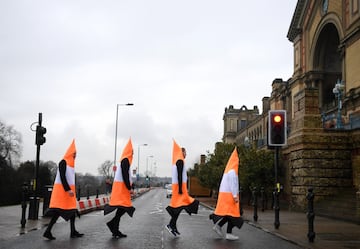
<point>277,128</point>
<point>40,132</point>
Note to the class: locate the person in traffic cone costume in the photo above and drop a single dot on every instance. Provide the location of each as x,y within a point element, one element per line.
<point>63,196</point>
<point>228,207</point>
<point>180,198</point>
<point>120,198</point>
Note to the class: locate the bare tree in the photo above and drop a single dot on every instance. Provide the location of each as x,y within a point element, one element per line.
<point>52,166</point>
<point>10,143</point>
<point>105,169</point>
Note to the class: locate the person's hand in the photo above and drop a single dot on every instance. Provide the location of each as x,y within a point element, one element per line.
<point>236,199</point>
<point>71,193</point>
<point>132,192</point>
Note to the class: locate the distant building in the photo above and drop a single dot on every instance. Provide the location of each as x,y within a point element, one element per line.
<point>237,119</point>
<point>246,126</point>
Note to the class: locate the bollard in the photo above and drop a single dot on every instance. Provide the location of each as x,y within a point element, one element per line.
<point>23,204</point>
<point>33,208</point>
<point>47,196</point>
<point>240,199</point>
<point>262,191</point>
<point>277,208</point>
<point>255,203</point>
<point>78,195</point>
<point>310,214</point>
<point>87,193</point>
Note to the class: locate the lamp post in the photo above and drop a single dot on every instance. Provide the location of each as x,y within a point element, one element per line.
<point>138,168</point>
<point>155,169</point>
<point>147,162</point>
<point>151,169</point>
<point>247,142</point>
<point>338,91</point>
<point>147,172</point>
<point>116,127</point>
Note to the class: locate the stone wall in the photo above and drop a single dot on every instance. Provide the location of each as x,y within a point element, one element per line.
<point>315,157</point>
<point>356,167</point>
<point>321,160</point>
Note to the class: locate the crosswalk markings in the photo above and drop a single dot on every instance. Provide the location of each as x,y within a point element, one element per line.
<point>158,209</point>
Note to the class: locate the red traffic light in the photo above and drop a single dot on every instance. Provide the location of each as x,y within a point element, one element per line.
<point>277,118</point>
<point>277,131</point>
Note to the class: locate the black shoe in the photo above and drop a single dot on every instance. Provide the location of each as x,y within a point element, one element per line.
<point>76,234</point>
<point>119,234</point>
<point>176,231</point>
<point>48,235</point>
<point>170,230</point>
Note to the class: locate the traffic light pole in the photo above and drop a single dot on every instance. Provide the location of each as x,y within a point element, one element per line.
<point>276,189</point>
<point>37,160</point>
<point>34,203</point>
<point>277,137</point>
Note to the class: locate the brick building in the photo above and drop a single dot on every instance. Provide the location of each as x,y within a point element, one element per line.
<point>322,100</point>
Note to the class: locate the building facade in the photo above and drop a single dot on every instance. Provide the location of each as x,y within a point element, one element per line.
<point>322,100</point>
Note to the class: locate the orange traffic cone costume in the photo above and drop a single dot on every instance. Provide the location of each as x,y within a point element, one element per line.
<point>63,197</point>
<point>65,181</point>
<point>180,198</point>
<point>227,203</point>
<point>120,198</point>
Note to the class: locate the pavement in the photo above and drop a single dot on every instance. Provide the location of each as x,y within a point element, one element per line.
<point>329,233</point>
<point>10,216</point>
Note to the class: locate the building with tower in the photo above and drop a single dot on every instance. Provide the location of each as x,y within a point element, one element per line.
<point>322,102</point>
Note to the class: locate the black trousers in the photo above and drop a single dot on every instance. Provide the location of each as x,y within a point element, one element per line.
<point>114,222</point>
<point>173,220</point>
<point>225,220</point>
<point>55,217</point>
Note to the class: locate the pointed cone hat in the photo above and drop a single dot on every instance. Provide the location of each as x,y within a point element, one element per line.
<point>69,155</point>
<point>233,162</point>
<point>127,152</point>
<point>177,153</point>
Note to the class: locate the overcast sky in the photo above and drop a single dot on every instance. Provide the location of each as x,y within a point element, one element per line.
<point>180,62</point>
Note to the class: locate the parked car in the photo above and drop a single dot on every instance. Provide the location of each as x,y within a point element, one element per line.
<point>168,188</point>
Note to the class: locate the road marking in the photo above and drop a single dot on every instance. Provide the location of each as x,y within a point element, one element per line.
<point>158,209</point>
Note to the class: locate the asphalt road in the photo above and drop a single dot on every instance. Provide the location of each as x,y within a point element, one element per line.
<point>146,230</point>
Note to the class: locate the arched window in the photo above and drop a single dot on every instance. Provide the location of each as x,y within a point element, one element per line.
<point>328,61</point>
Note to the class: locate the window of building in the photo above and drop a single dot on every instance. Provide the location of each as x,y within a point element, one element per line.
<point>232,128</point>
<point>242,124</point>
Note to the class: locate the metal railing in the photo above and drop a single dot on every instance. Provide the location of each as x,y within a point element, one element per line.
<point>354,121</point>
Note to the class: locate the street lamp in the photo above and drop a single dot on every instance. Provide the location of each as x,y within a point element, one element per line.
<point>147,172</point>
<point>147,162</point>
<point>247,142</point>
<point>155,169</point>
<point>139,157</point>
<point>338,91</point>
<point>151,169</point>
<point>116,127</point>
